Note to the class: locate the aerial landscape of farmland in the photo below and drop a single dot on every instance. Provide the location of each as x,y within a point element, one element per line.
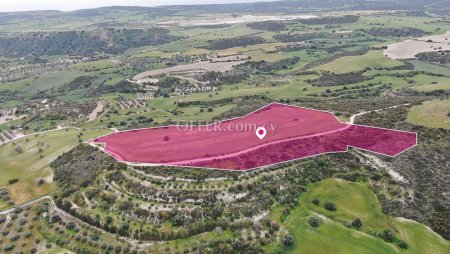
<point>292,126</point>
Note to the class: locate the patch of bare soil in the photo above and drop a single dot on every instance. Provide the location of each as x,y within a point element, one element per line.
<point>242,19</point>
<point>94,114</point>
<point>408,49</point>
<point>214,65</point>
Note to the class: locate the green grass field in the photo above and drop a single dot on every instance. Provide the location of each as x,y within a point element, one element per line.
<point>433,114</point>
<point>426,83</point>
<point>32,163</point>
<point>372,59</point>
<point>50,80</point>
<point>94,65</point>
<point>16,85</point>
<point>3,205</point>
<point>421,66</point>
<point>354,200</point>
<point>261,55</point>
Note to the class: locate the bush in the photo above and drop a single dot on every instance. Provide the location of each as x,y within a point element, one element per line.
<point>316,201</point>
<point>387,236</point>
<point>402,244</point>
<point>330,206</point>
<point>288,240</point>
<point>314,221</point>
<point>13,181</point>
<point>357,223</point>
<point>55,218</point>
<point>8,247</point>
<point>71,225</point>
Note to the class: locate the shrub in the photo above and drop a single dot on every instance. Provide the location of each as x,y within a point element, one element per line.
<point>387,236</point>
<point>402,244</point>
<point>288,240</point>
<point>55,218</point>
<point>71,225</point>
<point>357,223</point>
<point>8,247</point>
<point>330,206</point>
<point>316,201</point>
<point>15,237</point>
<point>13,181</point>
<point>314,221</point>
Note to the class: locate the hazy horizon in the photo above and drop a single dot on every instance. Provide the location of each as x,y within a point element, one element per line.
<point>67,5</point>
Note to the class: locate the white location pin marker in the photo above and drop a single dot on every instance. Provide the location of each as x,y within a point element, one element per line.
<point>261,132</point>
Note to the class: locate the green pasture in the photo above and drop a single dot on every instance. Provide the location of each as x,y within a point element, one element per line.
<point>432,114</point>
<point>372,59</point>
<point>353,200</point>
<point>28,159</point>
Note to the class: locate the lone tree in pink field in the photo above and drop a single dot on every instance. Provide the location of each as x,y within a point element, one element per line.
<point>299,133</point>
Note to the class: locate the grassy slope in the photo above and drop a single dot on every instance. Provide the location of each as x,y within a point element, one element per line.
<point>50,80</point>
<point>330,237</point>
<point>28,166</point>
<point>353,199</point>
<point>431,114</point>
<point>94,65</point>
<point>372,59</point>
<point>426,83</point>
<point>422,66</point>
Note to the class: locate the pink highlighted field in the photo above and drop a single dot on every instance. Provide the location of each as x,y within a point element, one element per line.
<point>292,133</point>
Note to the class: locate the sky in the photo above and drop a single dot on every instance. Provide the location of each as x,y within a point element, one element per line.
<point>70,5</point>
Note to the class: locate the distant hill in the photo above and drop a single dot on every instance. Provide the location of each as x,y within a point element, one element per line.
<point>286,6</point>
<point>111,41</point>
